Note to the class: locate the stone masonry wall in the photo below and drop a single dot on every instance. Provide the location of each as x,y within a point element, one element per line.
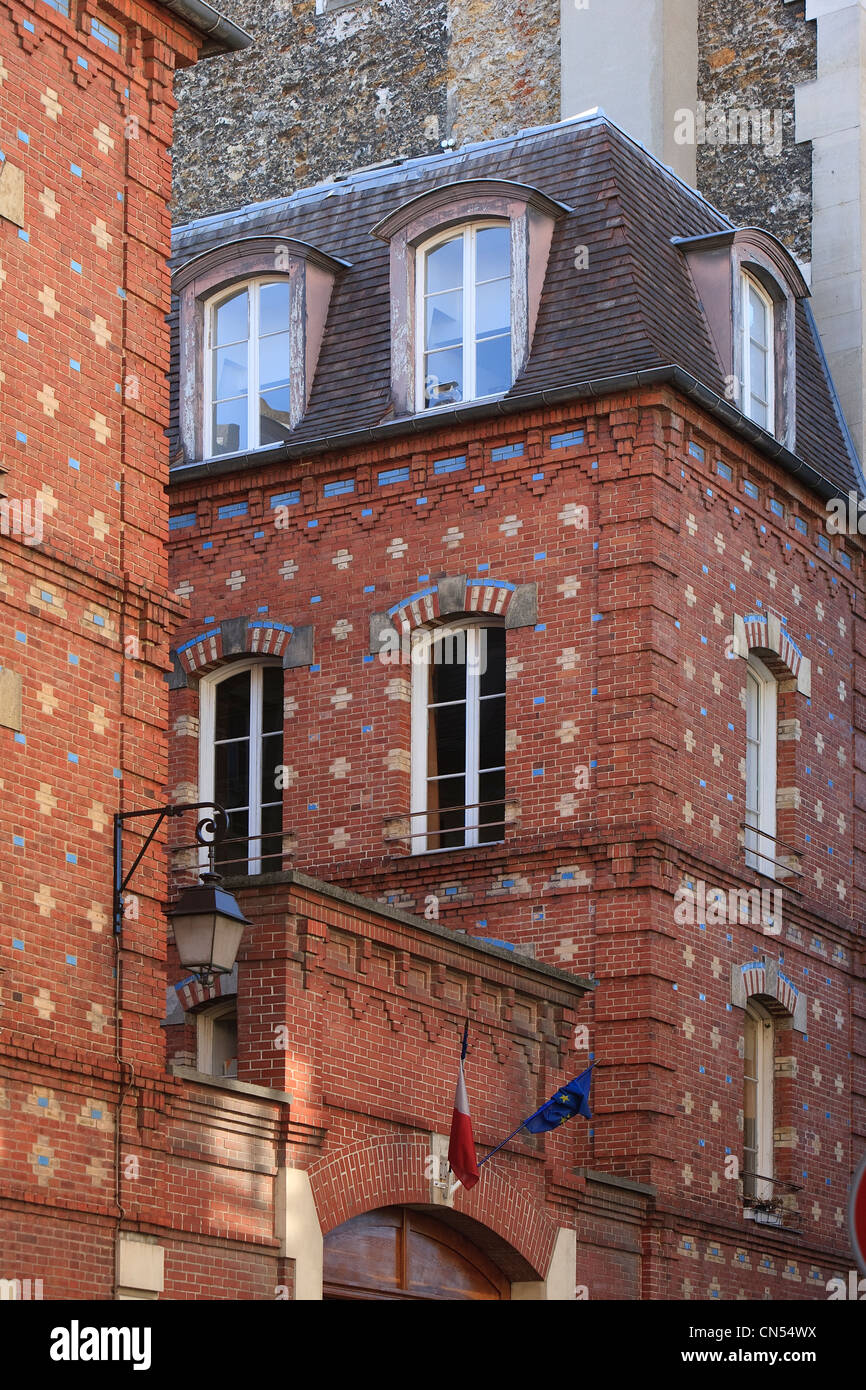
<point>321,93</point>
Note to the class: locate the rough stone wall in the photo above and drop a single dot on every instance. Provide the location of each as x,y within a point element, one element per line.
<point>371,81</point>
<point>751,57</point>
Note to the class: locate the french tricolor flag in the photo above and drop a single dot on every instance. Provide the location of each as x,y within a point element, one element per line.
<point>461,1145</point>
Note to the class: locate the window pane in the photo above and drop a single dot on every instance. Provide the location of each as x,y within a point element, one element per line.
<point>230,371</point>
<point>753,696</point>
<point>491,790</point>
<point>758,371</point>
<point>446,817</point>
<point>757,317</point>
<point>231,319</point>
<point>493,366</point>
<point>273,308</point>
<point>493,308</point>
<point>492,732</point>
<point>447,742</point>
<point>272,757</point>
<point>271,850</point>
<point>274,416</point>
<point>492,660</point>
<point>758,412</point>
<point>231,853</point>
<point>444,320</point>
<point>443,376</point>
<point>448,669</point>
<point>233,707</point>
<point>230,426</point>
<point>272,699</point>
<point>225,1045</point>
<point>444,266</point>
<point>274,361</point>
<point>232,775</point>
<point>492,253</point>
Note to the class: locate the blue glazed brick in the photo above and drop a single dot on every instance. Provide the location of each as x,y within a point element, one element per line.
<point>564,441</point>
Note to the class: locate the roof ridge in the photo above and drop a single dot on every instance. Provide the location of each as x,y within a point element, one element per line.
<point>396,169</point>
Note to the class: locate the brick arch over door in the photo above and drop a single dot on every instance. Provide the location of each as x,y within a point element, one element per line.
<point>390,1171</point>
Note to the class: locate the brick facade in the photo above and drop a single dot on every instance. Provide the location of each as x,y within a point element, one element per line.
<point>630,672</point>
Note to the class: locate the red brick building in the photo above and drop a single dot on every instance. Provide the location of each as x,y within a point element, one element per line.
<point>500,504</point>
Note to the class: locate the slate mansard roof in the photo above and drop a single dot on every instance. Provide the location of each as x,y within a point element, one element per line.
<point>632,314</point>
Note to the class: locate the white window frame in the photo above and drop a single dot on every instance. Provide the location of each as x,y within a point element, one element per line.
<point>206,747</point>
<point>761,850</point>
<point>253,288</point>
<point>469,231</point>
<point>422,640</point>
<point>205,1033</point>
<point>764,1113</point>
<point>750,283</point>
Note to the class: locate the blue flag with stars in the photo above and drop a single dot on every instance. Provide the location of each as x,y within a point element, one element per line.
<point>570,1099</point>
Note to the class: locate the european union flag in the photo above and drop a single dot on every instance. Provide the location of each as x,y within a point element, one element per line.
<point>571,1099</point>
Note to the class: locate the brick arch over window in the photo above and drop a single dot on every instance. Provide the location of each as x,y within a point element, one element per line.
<point>252,636</point>
<point>768,638</point>
<point>457,595</point>
<point>764,981</point>
<point>390,1171</point>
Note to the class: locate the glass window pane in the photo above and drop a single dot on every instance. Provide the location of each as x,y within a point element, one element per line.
<point>231,853</point>
<point>233,707</point>
<point>493,308</point>
<point>757,317</point>
<point>447,659</point>
<point>758,371</point>
<point>444,320</point>
<point>492,640</point>
<point>444,266</point>
<point>271,850</point>
<point>230,426</point>
<point>446,818</point>
<point>493,366</point>
<point>274,361</point>
<point>274,308</point>
<point>491,812</point>
<point>443,376</point>
<point>447,740</point>
<point>492,252</point>
<point>272,757</point>
<point>753,696</point>
<point>272,699</point>
<point>274,417</point>
<point>230,371</point>
<point>232,774</point>
<point>491,717</point>
<point>758,412</point>
<point>231,319</point>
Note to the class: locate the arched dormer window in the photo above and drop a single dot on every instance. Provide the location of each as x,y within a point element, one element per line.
<point>463,309</point>
<point>241,760</point>
<point>748,285</point>
<point>467,265</point>
<point>758,353</point>
<point>251,319</point>
<point>248,367</point>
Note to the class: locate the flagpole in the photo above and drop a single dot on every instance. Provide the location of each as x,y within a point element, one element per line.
<point>516,1131</point>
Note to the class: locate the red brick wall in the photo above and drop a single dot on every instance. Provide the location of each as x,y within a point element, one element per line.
<point>626,674</point>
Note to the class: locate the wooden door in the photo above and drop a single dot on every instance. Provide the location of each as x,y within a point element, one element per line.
<point>395,1253</point>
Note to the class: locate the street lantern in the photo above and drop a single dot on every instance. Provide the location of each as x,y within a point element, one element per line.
<point>208,925</point>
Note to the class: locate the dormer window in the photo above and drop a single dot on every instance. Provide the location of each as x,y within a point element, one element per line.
<point>252,318</point>
<point>749,288</point>
<point>758,354</point>
<point>467,263</point>
<point>249,374</point>
<point>464,313</point>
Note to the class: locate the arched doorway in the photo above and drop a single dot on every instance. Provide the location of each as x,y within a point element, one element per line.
<point>399,1253</point>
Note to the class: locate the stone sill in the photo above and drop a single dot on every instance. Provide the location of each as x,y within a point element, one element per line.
<point>228,1083</point>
